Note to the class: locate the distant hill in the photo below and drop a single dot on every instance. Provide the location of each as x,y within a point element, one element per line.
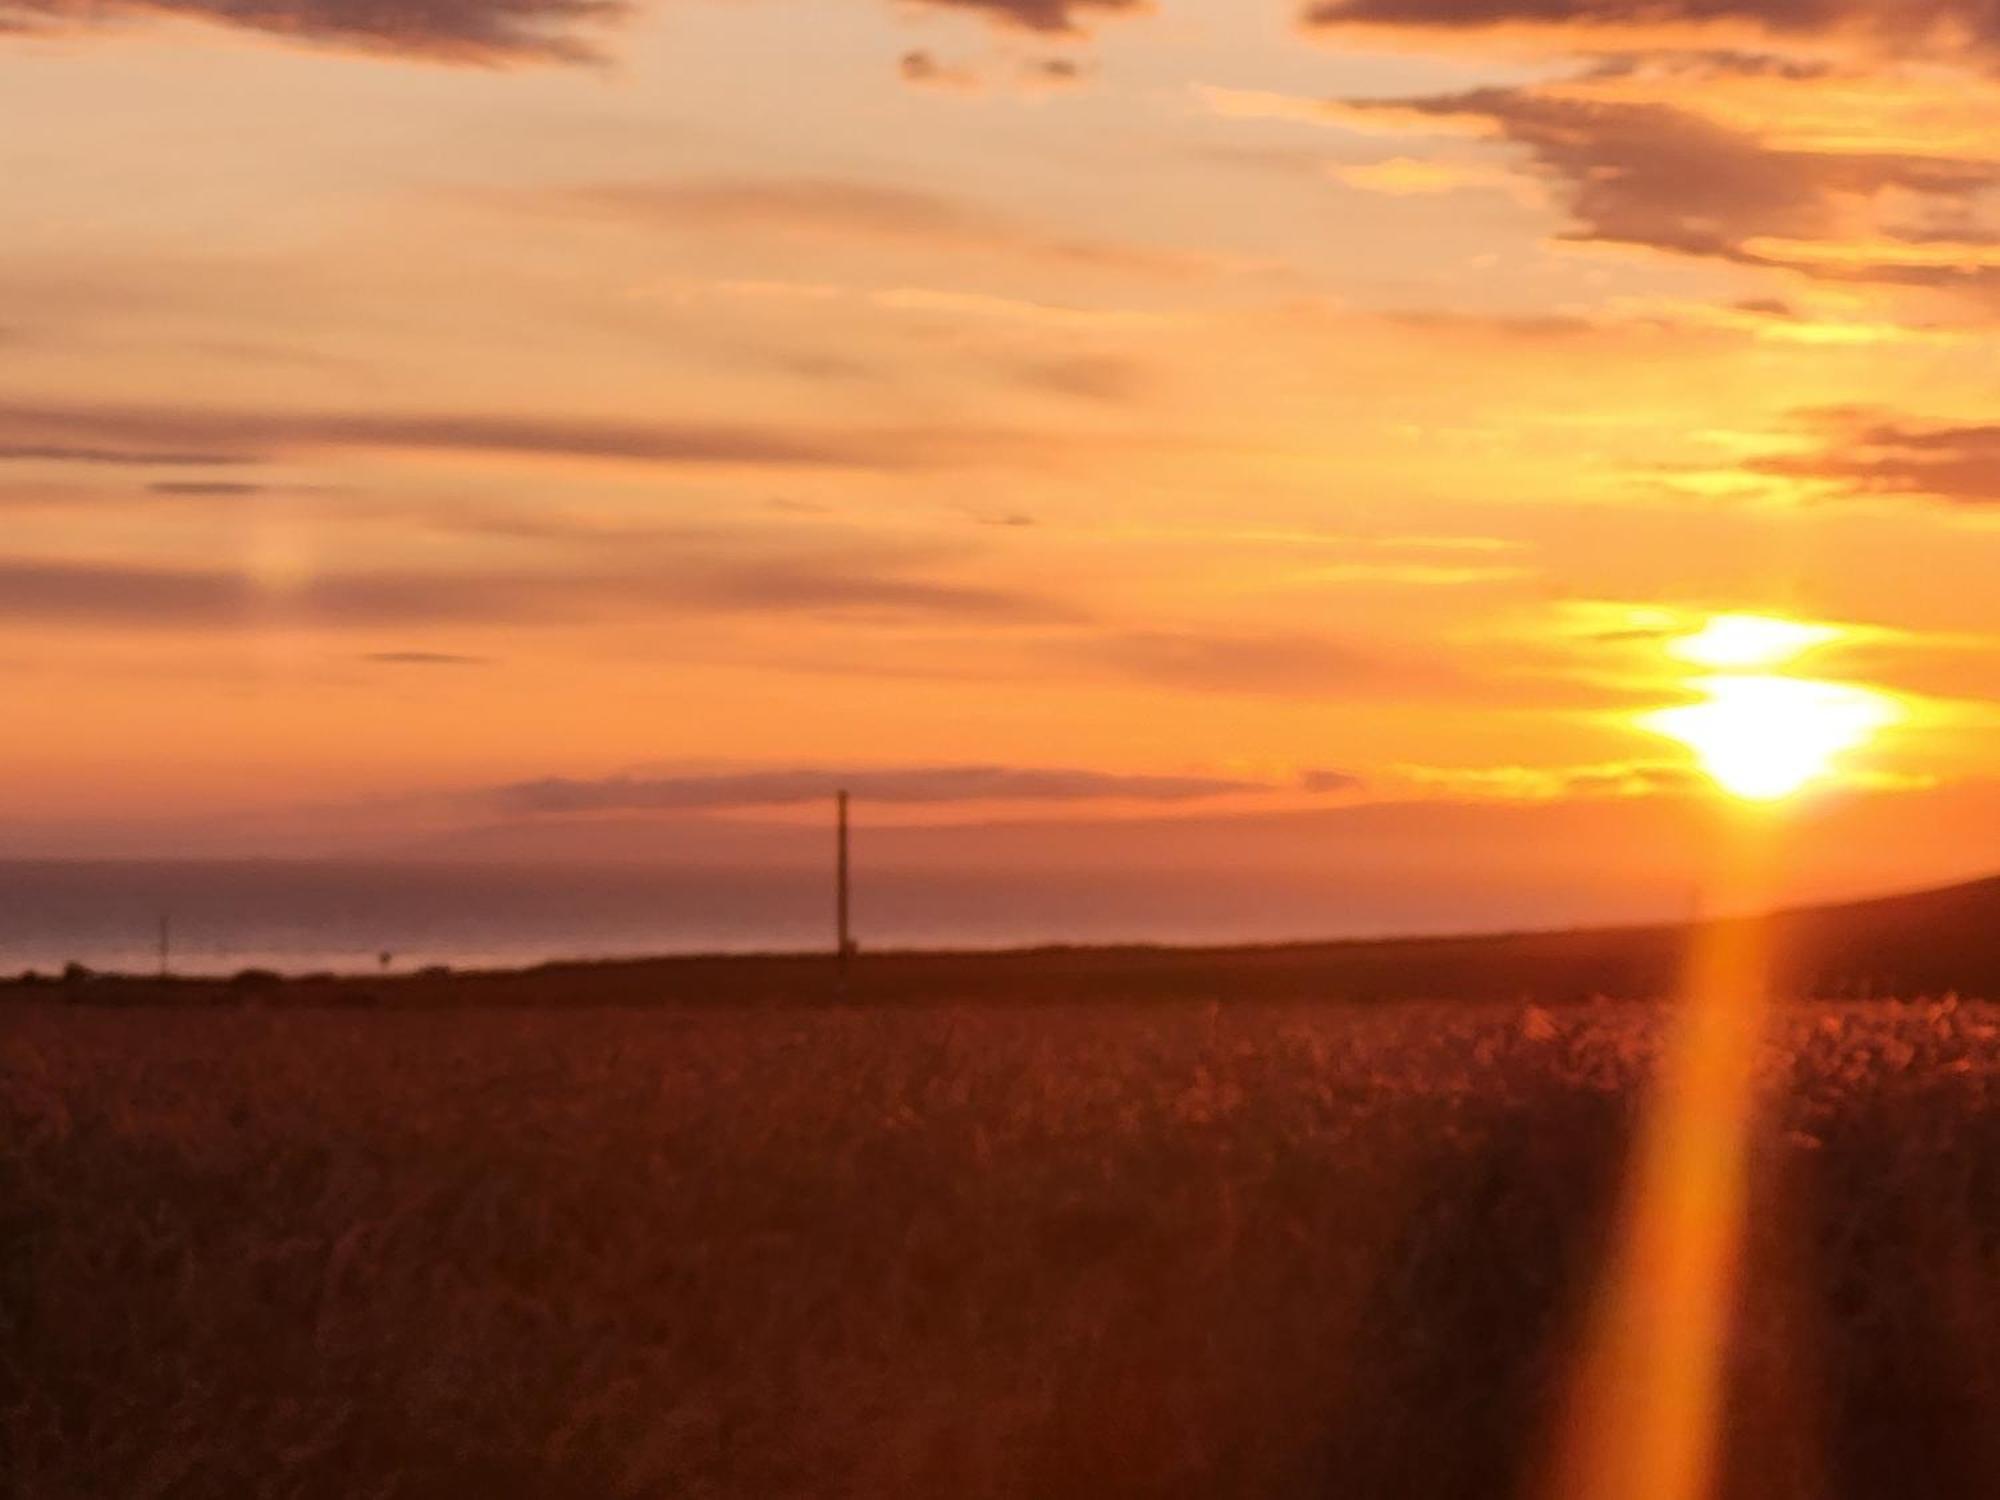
<point>1928,941</point>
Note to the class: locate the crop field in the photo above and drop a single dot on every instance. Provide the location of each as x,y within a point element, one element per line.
<point>977,1249</point>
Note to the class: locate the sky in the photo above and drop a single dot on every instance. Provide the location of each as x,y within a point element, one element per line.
<point>547,421</point>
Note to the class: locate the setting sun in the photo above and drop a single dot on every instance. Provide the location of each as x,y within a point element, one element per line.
<point>1732,642</point>
<point>1764,737</point>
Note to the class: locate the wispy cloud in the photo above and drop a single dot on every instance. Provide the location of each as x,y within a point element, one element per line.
<point>1661,177</point>
<point>426,659</point>
<point>1596,25</point>
<point>1875,454</point>
<point>914,786</point>
<point>483,33</point>
<point>198,436</point>
<point>858,588</point>
<point>1048,17</point>
<point>71,453</point>
<point>207,489</point>
<point>837,208</point>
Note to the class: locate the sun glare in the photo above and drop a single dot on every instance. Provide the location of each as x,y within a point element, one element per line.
<point>1735,642</point>
<point>1758,733</point>
<point>1762,737</point>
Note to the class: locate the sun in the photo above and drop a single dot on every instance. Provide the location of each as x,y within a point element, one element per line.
<point>1737,641</point>
<point>1763,737</point>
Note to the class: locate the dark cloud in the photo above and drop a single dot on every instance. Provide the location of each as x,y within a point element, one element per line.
<point>1049,17</point>
<point>930,223</point>
<point>475,33</point>
<point>197,436</point>
<point>921,785</point>
<point>483,33</point>
<point>1053,71</point>
<point>1593,22</point>
<point>206,488</point>
<point>1664,178</point>
<point>426,659</point>
<point>923,70</point>
<point>1869,456</point>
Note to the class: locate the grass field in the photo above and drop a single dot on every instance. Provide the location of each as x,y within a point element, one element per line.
<point>970,1249</point>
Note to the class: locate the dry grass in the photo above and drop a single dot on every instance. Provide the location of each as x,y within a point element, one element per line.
<point>982,1250</point>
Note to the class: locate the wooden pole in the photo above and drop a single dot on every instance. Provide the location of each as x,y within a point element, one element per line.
<point>845,943</point>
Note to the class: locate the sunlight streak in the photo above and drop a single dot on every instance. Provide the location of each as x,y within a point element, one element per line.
<point>1645,1417</point>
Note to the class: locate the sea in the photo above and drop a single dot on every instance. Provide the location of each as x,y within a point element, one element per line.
<point>218,917</point>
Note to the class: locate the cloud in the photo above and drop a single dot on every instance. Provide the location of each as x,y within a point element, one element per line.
<point>922,70</point>
<point>468,33</point>
<point>481,33</point>
<point>426,659</point>
<point>59,593</point>
<point>856,589</point>
<point>916,786</point>
<point>1048,17</point>
<point>1842,140</point>
<point>206,488</point>
<point>68,453</point>
<point>1873,456</point>
<point>1592,25</point>
<point>190,436</point>
<point>835,208</point>
<point>1658,176</point>
<point>1330,781</point>
<point>1532,328</point>
<point>1052,72</point>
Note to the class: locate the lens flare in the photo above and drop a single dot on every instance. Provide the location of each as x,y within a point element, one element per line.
<point>1646,1412</point>
<point>1763,737</point>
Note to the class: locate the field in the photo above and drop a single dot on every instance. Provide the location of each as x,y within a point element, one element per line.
<point>1069,1248</point>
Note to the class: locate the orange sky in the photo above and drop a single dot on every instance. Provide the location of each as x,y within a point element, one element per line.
<point>1184,408</point>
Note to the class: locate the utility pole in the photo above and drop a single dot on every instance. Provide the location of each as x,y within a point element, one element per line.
<point>846,944</point>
